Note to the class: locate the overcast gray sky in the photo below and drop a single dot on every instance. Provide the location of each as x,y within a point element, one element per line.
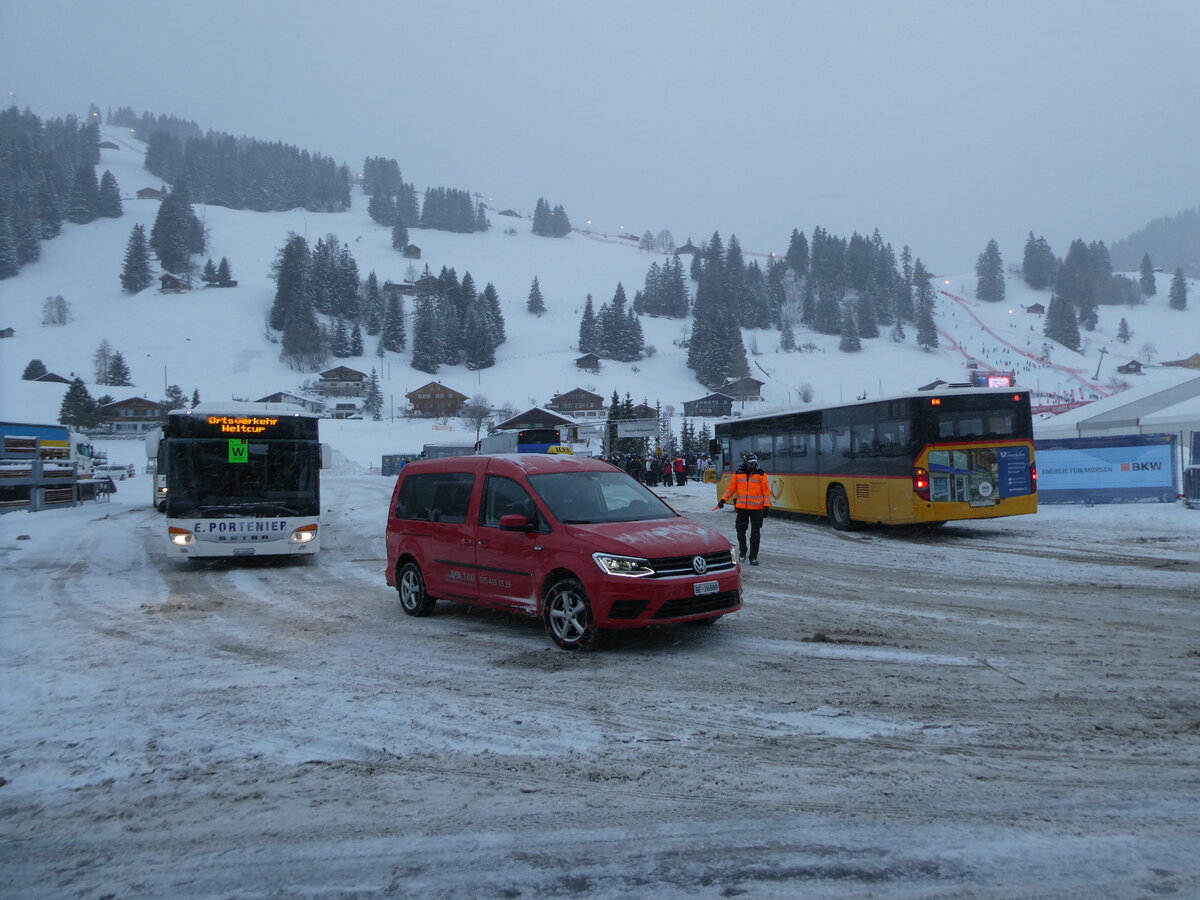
<point>944,124</point>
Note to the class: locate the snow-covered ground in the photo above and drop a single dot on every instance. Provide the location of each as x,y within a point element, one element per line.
<point>997,709</point>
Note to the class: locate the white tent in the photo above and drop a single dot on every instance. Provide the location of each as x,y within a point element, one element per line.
<point>1168,404</point>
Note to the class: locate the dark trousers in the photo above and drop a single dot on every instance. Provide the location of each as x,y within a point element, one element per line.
<point>754,519</point>
<point>680,478</point>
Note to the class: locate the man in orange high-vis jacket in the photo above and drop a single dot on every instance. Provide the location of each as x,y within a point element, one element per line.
<point>750,486</point>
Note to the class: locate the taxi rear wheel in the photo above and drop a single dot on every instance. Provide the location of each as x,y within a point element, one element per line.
<point>410,585</point>
<point>567,615</point>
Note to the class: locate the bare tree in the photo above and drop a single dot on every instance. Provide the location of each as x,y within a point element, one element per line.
<point>56,311</point>
<point>475,412</point>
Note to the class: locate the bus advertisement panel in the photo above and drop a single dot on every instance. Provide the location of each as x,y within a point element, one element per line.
<point>240,481</point>
<point>924,458</point>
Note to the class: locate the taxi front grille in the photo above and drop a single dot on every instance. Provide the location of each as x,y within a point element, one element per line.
<point>681,566</point>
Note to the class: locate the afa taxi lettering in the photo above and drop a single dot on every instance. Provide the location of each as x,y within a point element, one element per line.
<point>243,424</point>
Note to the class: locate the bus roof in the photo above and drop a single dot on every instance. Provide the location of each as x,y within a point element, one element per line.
<point>245,409</point>
<point>944,391</point>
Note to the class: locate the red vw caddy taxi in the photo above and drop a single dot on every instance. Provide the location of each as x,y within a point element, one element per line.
<point>571,539</point>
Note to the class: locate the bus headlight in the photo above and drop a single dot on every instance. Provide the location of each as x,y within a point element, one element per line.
<point>304,534</point>
<point>180,537</point>
<point>629,566</point>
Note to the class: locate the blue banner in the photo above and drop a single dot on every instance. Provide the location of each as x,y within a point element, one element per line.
<point>1117,469</point>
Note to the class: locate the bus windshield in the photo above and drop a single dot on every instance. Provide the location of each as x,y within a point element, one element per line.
<point>277,478</point>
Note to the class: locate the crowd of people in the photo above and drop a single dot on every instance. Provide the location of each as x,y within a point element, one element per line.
<point>660,469</point>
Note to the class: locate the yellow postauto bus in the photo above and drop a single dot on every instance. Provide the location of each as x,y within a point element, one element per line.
<point>919,459</point>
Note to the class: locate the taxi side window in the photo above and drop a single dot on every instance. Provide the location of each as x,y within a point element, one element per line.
<point>503,497</point>
<point>436,497</point>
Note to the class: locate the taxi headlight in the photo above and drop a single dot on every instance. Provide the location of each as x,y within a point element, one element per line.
<point>628,566</point>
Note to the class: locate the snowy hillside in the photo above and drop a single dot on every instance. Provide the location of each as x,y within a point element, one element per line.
<point>213,340</point>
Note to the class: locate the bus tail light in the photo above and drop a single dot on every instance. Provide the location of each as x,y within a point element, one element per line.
<point>304,534</point>
<point>920,481</point>
<point>1033,477</point>
<point>181,537</point>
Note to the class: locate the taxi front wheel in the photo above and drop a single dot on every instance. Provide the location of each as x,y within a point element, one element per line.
<point>567,614</point>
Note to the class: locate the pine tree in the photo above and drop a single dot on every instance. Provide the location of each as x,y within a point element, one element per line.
<point>224,275</point>
<point>177,232</point>
<point>356,341</point>
<point>787,337</point>
<point>989,271</point>
<point>1177,298</point>
<point>373,304</point>
<point>865,316</point>
<point>426,345</point>
<point>589,336</point>
<point>490,300</point>
<point>850,342</point>
<point>78,408</point>
<point>373,402</point>
<point>1039,265</point>
<point>108,198</point>
<point>135,273</point>
<point>1124,335</point>
<point>536,304</point>
<point>1061,324</point>
<point>1149,288</point>
<point>291,280</point>
<point>923,297</point>
<point>209,273</point>
<point>797,253</point>
<point>9,261</point>
<point>118,371</point>
<point>394,331</point>
<point>173,400</point>
<point>35,370</point>
<point>195,398</point>
<point>827,317</point>
<point>339,344</point>
<point>399,236</point>
<point>84,196</point>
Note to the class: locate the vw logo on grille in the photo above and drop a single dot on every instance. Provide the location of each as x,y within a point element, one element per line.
<point>700,564</point>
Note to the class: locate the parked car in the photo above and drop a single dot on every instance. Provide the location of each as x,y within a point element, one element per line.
<point>113,471</point>
<point>572,540</point>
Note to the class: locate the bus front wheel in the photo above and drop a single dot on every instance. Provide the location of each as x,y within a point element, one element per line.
<point>837,505</point>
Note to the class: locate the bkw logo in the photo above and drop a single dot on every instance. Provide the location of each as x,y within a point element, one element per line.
<point>1141,467</point>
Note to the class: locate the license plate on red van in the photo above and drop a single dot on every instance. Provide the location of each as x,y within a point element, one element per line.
<point>705,587</point>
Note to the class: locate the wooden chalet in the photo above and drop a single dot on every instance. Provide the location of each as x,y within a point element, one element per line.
<point>1133,367</point>
<point>134,415</point>
<point>172,284</point>
<point>342,381</point>
<point>714,405</point>
<point>538,417</point>
<point>314,406</point>
<point>589,362</point>
<point>435,400</point>
<point>7,332</point>
<point>689,247</point>
<point>53,378</point>
<point>1191,362</point>
<point>746,388</point>
<point>412,251</point>
<point>578,404</point>
<point>1035,308</point>
<point>149,194</point>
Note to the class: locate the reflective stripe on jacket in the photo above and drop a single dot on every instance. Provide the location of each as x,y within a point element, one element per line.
<point>751,489</point>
